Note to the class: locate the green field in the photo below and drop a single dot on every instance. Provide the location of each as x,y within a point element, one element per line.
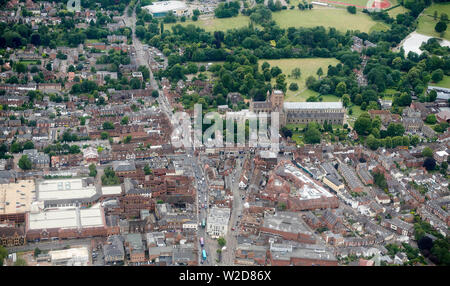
<point>379,27</point>
<point>397,10</point>
<point>217,24</point>
<point>29,62</point>
<point>307,67</point>
<point>327,17</point>
<point>443,83</point>
<point>426,21</point>
<point>356,113</point>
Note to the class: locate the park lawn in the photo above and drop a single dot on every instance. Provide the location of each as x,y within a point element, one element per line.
<point>356,113</point>
<point>307,67</point>
<point>427,23</point>
<point>379,27</point>
<point>330,98</point>
<point>92,41</point>
<point>216,24</point>
<point>298,138</point>
<point>29,62</point>
<point>397,10</point>
<point>445,82</point>
<point>300,97</point>
<point>327,17</point>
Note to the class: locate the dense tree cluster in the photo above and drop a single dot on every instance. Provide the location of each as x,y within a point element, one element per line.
<point>227,10</point>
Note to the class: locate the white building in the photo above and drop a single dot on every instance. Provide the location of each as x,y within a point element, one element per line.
<point>70,257</point>
<point>162,8</point>
<point>217,223</point>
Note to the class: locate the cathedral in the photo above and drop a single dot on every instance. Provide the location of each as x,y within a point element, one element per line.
<point>299,112</point>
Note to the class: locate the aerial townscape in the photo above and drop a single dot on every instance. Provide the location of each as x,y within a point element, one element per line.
<point>343,107</point>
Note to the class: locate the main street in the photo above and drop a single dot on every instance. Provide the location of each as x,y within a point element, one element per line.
<point>236,212</point>
<point>141,57</point>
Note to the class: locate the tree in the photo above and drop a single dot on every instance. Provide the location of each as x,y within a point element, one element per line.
<point>415,140</point>
<point>281,82</point>
<point>74,149</point>
<point>395,129</point>
<point>372,142</point>
<point>124,120</point>
<point>429,164</point>
<point>432,95</point>
<point>147,170</point>
<point>25,163</point>
<point>104,135</point>
<point>346,100</point>
<point>37,251</point>
<point>127,139</point>
<point>341,88</point>
<point>437,75</point>
<point>107,125</point>
<point>293,86</point>
<point>427,152</point>
<point>320,72</point>
<point>155,93</point>
<point>109,177</point>
<point>440,27</point>
<point>351,9</point>
<point>221,241</point>
<point>3,254</point>
<point>363,125</point>
<point>286,132</point>
<point>296,73</point>
<point>92,170</point>
<point>20,68</point>
<point>28,145</point>
<point>312,134</point>
<point>444,167</point>
<point>15,147</point>
<point>431,119</point>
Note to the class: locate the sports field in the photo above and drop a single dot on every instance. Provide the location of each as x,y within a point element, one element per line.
<point>217,24</point>
<point>307,67</point>
<point>319,16</point>
<point>327,17</point>
<point>427,23</point>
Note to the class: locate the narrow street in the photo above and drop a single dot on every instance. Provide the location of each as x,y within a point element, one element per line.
<point>236,212</point>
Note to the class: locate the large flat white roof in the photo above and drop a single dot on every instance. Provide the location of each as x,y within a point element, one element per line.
<point>16,197</point>
<point>77,253</point>
<point>310,189</point>
<point>165,6</point>
<point>111,190</point>
<point>67,218</point>
<point>64,189</point>
<point>313,105</point>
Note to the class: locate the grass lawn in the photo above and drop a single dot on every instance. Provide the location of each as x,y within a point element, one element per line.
<point>29,62</point>
<point>378,27</point>
<point>427,22</point>
<point>443,83</point>
<point>318,16</point>
<point>397,10</point>
<point>216,24</point>
<point>307,67</point>
<point>356,113</point>
<point>92,41</point>
<point>327,17</point>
